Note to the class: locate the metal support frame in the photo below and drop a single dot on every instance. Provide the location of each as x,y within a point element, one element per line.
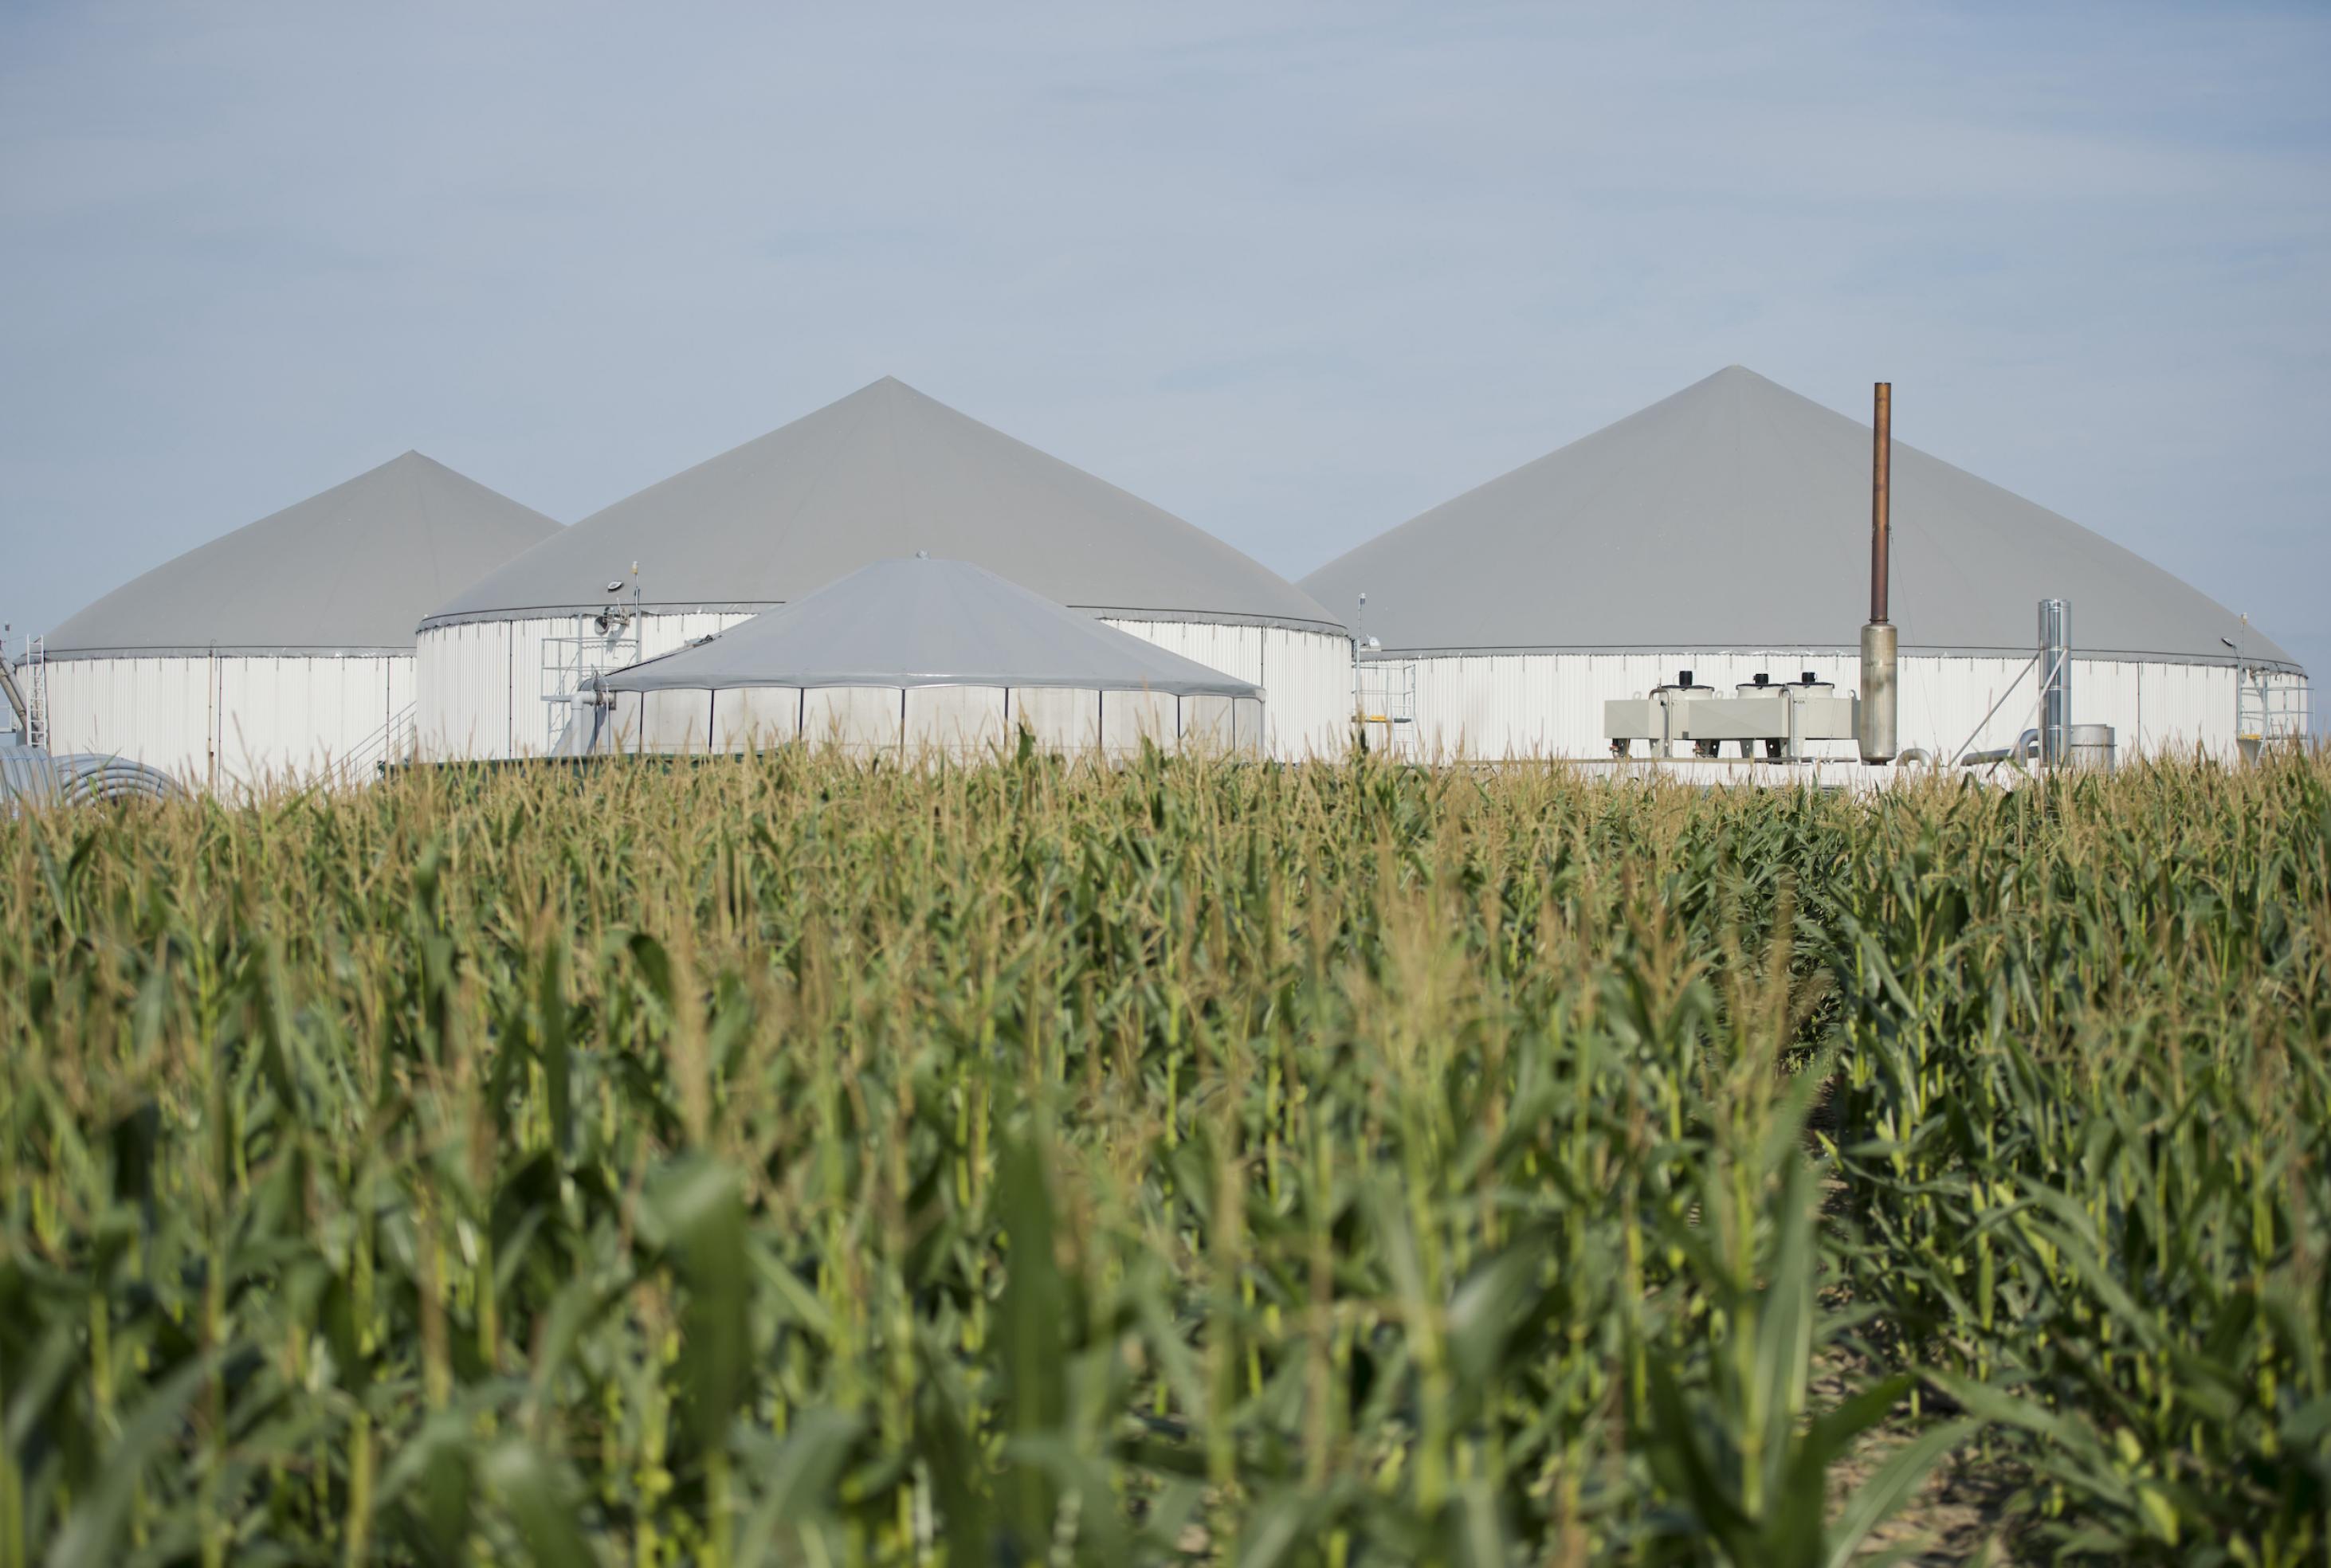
<point>2270,712</point>
<point>1384,699</point>
<point>600,645</point>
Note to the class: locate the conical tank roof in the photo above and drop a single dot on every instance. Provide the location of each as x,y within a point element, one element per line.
<point>926,622</point>
<point>1735,515</point>
<point>883,473</point>
<point>350,571</point>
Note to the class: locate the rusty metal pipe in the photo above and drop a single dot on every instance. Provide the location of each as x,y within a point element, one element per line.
<point>1874,728</point>
<point>1881,528</point>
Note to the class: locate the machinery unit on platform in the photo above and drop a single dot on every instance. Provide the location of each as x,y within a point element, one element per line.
<point>1763,717</point>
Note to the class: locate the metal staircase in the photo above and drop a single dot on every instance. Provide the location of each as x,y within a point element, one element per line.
<point>396,741</point>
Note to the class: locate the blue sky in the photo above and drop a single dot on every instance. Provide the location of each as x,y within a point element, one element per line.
<point>1295,272</point>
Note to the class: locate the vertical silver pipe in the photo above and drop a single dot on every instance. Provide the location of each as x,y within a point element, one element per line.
<point>20,711</point>
<point>2056,684</point>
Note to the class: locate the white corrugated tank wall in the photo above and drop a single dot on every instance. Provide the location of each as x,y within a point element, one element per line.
<point>235,721</point>
<point>1551,704</point>
<point>481,683</point>
<point>1306,676</point>
<point>964,723</point>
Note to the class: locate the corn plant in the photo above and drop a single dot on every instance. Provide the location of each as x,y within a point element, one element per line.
<point>779,1160</point>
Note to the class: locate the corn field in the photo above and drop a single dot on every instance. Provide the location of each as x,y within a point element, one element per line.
<point>779,1161</point>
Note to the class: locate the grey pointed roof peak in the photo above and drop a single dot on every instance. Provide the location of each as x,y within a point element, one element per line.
<point>876,475</point>
<point>349,570</point>
<point>1735,515</point>
<point>923,620</point>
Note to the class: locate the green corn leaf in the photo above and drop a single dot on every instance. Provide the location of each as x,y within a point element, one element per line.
<point>531,1493</point>
<point>698,1217</point>
<point>1677,1449</point>
<point>1881,1497</point>
<point>92,1532</point>
<point>1484,1307</point>
<point>1833,1432</point>
<point>430,1484</point>
<point>578,1303</point>
<point>551,1045</point>
<point>797,1489</point>
<point>1033,1312</point>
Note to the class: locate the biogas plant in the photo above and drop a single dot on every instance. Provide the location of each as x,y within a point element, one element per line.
<point>1736,583</point>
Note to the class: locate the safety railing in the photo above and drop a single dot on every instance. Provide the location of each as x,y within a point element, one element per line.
<point>1383,701</point>
<point>394,742</point>
<point>2271,713</point>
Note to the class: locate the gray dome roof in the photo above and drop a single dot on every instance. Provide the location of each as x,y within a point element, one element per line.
<point>1735,515</point>
<point>349,571</point>
<point>883,473</point>
<point>926,622</point>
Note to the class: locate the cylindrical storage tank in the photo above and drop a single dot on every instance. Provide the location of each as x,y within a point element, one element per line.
<point>1727,529</point>
<point>2090,746</point>
<point>880,475</point>
<point>281,652</point>
<point>918,658</point>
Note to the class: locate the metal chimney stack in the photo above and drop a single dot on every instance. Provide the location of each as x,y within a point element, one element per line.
<point>1878,638</point>
<point>2055,682</point>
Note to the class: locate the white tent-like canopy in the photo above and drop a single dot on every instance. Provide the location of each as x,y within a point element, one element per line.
<point>1726,529</point>
<point>918,656</point>
<point>285,647</point>
<point>877,475</point>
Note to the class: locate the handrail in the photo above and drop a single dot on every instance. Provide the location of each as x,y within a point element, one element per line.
<point>2271,712</point>
<point>376,750</point>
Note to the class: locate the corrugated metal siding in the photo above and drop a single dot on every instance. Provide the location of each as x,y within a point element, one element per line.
<point>1129,719</point>
<point>1551,704</point>
<point>482,683</point>
<point>481,686</point>
<point>963,721</point>
<point>754,717</point>
<point>859,720</point>
<point>241,720</point>
<point>968,723</point>
<point>1306,677</point>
